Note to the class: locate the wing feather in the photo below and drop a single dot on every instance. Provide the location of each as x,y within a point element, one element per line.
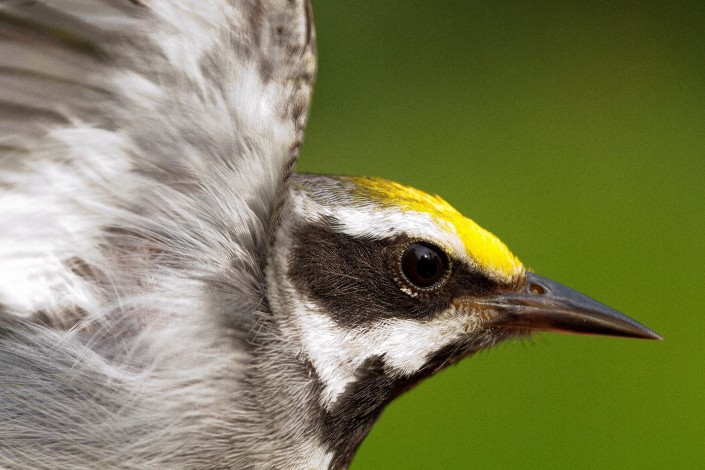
<point>157,127</point>
<point>144,147</point>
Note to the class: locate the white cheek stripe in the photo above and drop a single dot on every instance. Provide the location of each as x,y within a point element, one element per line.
<point>405,345</point>
<point>317,456</point>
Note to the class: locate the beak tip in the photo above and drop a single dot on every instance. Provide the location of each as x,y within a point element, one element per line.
<point>649,334</point>
<point>638,331</point>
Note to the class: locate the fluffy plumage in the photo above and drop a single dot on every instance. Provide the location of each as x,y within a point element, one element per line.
<point>144,150</point>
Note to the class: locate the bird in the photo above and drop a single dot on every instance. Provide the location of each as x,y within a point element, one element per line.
<point>173,294</point>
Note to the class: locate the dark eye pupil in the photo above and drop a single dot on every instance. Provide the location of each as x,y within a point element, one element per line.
<point>423,264</point>
<point>427,266</point>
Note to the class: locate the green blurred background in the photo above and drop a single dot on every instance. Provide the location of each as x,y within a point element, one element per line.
<point>576,132</point>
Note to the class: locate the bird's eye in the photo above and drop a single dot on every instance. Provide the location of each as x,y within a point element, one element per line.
<point>424,265</point>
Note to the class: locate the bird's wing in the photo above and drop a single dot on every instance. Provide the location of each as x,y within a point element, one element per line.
<point>144,146</point>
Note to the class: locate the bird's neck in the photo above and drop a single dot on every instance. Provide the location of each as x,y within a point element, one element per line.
<point>296,427</point>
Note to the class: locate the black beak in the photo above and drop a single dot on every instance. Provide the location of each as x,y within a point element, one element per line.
<point>545,305</point>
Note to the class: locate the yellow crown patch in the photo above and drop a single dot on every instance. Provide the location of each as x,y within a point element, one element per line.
<point>483,247</point>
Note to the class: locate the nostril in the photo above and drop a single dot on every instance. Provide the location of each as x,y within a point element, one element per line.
<point>537,289</point>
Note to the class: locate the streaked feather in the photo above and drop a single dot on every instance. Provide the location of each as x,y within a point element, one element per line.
<point>144,150</point>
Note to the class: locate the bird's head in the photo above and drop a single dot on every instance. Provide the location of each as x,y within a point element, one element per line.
<point>379,285</point>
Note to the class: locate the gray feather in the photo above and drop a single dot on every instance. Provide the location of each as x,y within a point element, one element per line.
<point>145,147</point>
